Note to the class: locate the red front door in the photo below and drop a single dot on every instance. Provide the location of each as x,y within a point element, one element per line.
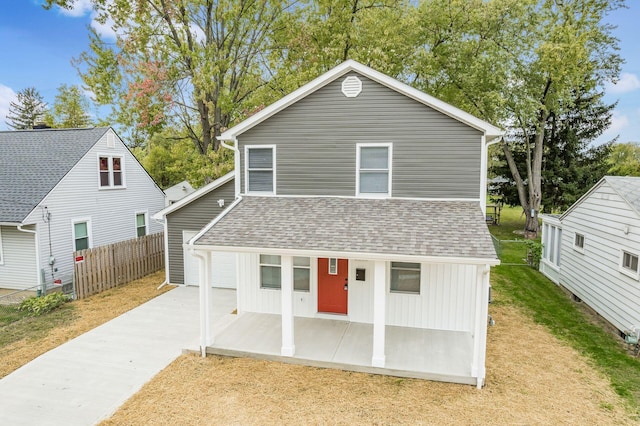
<point>333,275</point>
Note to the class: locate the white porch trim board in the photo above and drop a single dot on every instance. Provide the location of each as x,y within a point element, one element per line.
<point>379,313</point>
<point>286,292</point>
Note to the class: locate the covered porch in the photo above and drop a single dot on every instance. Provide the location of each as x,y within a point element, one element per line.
<point>410,352</point>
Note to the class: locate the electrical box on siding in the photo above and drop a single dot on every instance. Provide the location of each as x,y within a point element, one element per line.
<point>360,274</point>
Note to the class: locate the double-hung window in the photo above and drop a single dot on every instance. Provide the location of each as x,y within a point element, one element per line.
<point>81,235</point>
<point>405,277</point>
<point>141,224</point>
<point>629,263</point>
<point>111,169</point>
<point>578,242</point>
<point>260,169</point>
<point>552,243</point>
<point>373,174</point>
<point>270,271</point>
<point>301,273</point>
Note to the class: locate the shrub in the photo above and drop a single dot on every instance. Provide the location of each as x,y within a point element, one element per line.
<point>534,253</point>
<point>37,306</point>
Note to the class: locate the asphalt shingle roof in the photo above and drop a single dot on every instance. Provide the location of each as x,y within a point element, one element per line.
<point>32,162</point>
<point>628,187</point>
<point>385,226</point>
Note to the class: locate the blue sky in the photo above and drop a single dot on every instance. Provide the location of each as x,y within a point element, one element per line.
<point>38,46</point>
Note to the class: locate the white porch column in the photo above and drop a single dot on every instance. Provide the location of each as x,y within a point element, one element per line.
<point>204,263</point>
<point>480,329</point>
<point>286,292</point>
<point>379,312</point>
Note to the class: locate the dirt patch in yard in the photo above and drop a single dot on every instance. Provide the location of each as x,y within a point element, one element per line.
<point>87,314</point>
<point>532,378</point>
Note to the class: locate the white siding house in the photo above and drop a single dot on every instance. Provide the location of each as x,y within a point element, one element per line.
<point>593,249</point>
<point>70,189</point>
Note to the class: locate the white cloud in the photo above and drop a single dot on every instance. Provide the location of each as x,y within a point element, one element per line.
<point>79,8</point>
<point>628,83</point>
<point>105,30</point>
<point>618,123</point>
<point>7,95</point>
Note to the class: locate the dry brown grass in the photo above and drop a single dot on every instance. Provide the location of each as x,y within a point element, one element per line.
<point>88,314</point>
<point>532,379</point>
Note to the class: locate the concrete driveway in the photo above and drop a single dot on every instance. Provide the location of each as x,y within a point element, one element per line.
<point>85,380</point>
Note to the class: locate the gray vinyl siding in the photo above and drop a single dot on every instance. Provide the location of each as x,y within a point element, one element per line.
<point>193,217</point>
<point>594,275</point>
<point>18,269</point>
<point>434,156</point>
<point>111,212</point>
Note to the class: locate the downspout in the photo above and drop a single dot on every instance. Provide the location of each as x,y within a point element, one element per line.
<point>236,162</point>
<point>166,252</point>
<point>484,164</point>
<point>35,238</point>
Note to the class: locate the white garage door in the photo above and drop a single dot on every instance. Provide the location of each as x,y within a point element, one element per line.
<point>223,265</point>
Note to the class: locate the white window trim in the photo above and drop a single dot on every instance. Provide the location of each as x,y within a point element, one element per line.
<point>260,265</point>
<point>1,252</point>
<point>359,146</point>
<point>146,222</point>
<point>246,170</point>
<point>556,243</point>
<point>89,231</point>
<point>329,266</point>
<point>411,293</point>
<point>635,275</point>
<point>303,267</point>
<point>111,156</point>
<point>584,240</point>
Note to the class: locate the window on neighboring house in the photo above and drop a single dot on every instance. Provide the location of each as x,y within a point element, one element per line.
<point>111,171</point>
<point>301,273</point>
<point>260,169</point>
<point>81,235</point>
<point>405,277</point>
<point>270,271</point>
<point>578,242</point>
<point>1,252</point>
<point>374,169</point>
<point>552,243</point>
<point>630,262</point>
<point>141,224</point>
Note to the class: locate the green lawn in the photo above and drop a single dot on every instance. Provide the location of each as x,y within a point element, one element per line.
<point>32,327</point>
<point>550,306</point>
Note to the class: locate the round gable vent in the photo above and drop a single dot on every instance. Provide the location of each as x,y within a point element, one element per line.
<point>351,86</point>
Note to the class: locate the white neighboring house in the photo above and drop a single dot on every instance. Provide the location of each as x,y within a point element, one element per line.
<point>63,190</point>
<point>593,248</point>
<point>178,192</point>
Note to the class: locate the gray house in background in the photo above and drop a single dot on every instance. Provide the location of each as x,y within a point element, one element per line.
<point>183,220</point>
<point>592,250</point>
<point>63,190</point>
<point>359,232</point>
<point>178,192</point>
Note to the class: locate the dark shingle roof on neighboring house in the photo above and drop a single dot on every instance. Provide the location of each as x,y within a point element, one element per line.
<point>32,162</point>
<point>401,227</point>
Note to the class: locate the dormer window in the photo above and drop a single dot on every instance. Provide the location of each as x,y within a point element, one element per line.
<point>373,174</point>
<point>111,171</point>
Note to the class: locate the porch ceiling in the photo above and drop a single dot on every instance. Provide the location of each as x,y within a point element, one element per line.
<point>424,228</point>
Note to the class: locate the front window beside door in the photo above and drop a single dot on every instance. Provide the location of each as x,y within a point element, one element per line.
<point>271,272</point>
<point>405,277</point>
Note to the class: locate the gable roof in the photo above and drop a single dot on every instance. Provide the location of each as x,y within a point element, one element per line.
<point>422,229</point>
<point>32,162</point>
<point>179,191</point>
<point>627,187</point>
<point>194,195</point>
<point>490,131</point>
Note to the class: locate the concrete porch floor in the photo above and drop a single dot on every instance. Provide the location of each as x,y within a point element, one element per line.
<point>410,352</point>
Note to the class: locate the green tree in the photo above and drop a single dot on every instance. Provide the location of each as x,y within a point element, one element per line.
<point>194,64</point>
<point>70,109</point>
<point>624,159</point>
<point>518,63</point>
<point>27,110</point>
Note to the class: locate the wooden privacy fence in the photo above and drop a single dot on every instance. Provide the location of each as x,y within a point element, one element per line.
<point>101,268</point>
